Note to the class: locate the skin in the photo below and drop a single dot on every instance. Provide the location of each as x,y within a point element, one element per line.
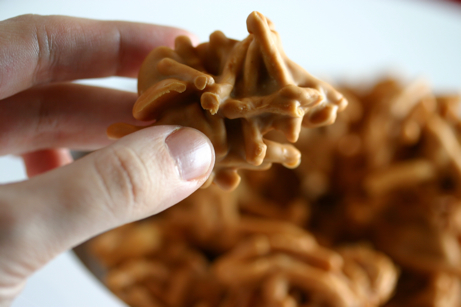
<point>65,203</point>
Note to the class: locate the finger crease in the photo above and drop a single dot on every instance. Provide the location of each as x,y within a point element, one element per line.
<point>106,188</point>
<point>45,120</point>
<point>45,54</point>
<point>124,167</point>
<point>119,179</point>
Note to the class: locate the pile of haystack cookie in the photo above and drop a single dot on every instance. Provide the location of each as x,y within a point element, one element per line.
<point>370,217</point>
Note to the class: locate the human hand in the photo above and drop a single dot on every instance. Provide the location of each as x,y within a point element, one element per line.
<point>40,113</point>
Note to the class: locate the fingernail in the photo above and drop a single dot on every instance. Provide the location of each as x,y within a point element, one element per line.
<point>192,152</point>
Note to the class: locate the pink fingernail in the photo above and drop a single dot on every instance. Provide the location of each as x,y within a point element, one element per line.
<point>192,152</point>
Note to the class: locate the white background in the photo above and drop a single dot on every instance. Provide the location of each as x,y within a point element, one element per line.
<point>341,40</point>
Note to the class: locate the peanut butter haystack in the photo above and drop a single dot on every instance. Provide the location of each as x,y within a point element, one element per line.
<point>211,252</point>
<point>235,92</point>
<point>371,217</point>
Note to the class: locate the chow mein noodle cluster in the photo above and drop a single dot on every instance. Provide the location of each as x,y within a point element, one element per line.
<point>370,217</point>
<point>235,92</point>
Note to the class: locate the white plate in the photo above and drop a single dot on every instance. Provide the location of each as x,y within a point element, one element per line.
<point>343,40</point>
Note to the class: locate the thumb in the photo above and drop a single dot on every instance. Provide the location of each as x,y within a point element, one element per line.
<point>137,176</point>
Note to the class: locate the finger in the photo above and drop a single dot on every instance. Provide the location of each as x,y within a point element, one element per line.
<point>40,49</point>
<point>62,115</point>
<point>137,176</point>
<point>41,161</point>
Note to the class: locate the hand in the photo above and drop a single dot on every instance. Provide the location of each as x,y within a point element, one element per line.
<point>137,176</point>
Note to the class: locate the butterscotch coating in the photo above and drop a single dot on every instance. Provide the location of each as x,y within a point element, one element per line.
<point>387,173</point>
<point>274,266</point>
<point>392,169</point>
<point>259,259</point>
<point>265,266</point>
<point>235,92</point>
<point>174,274</point>
<point>416,290</point>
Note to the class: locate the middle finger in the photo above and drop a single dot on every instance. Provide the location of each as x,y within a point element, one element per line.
<point>62,115</point>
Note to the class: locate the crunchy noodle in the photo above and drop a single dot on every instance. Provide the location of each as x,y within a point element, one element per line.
<point>235,92</point>
<point>371,217</point>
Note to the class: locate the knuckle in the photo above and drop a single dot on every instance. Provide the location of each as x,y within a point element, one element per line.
<point>26,18</point>
<point>45,47</point>
<point>124,178</point>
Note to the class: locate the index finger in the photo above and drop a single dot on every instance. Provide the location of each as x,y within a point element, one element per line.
<point>41,49</point>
